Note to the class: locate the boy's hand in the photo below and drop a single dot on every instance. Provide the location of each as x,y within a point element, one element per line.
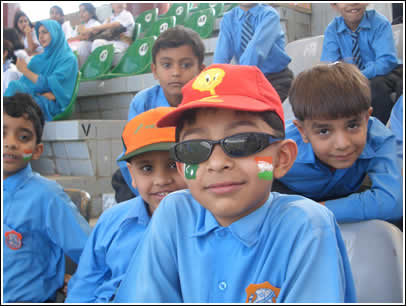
<point>65,284</point>
<point>49,95</point>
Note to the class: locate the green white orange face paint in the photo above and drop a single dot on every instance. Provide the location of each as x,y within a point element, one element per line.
<point>27,155</point>
<point>190,171</point>
<point>265,167</point>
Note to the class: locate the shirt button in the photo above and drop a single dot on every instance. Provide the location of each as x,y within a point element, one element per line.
<point>222,285</point>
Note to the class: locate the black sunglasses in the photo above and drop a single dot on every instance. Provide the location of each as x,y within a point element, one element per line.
<point>239,145</point>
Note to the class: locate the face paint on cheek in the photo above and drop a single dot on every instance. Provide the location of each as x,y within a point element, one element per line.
<point>190,171</point>
<point>27,155</point>
<point>265,168</point>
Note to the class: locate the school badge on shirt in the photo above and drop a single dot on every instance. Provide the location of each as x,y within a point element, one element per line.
<point>13,240</point>
<point>262,293</point>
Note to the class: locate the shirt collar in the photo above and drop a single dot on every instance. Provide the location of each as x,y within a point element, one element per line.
<point>253,11</point>
<point>245,230</point>
<point>364,24</point>
<point>14,182</point>
<point>138,211</point>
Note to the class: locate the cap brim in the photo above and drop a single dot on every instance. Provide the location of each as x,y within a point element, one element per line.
<point>162,146</point>
<point>242,103</point>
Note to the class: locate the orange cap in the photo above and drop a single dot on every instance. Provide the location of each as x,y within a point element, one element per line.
<point>141,134</point>
<point>236,87</point>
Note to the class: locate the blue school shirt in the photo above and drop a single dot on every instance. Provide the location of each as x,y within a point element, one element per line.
<point>266,50</point>
<point>311,178</point>
<point>290,243</point>
<point>50,226</point>
<point>143,101</point>
<point>376,43</point>
<point>396,126</point>
<point>108,251</point>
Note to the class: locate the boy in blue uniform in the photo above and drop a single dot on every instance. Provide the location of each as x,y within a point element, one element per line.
<point>120,228</point>
<point>228,238</point>
<point>40,222</point>
<point>365,38</point>
<point>339,144</point>
<point>252,34</point>
<point>177,57</point>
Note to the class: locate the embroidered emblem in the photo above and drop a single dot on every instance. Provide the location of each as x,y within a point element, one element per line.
<point>262,293</point>
<point>209,80</point>
<point>265,168</point>
<point>13,240</point>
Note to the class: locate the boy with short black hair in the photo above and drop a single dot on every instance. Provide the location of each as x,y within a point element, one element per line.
<point>339,144</point>
<point>365,38</point>
<point>177,57</point>
<point>40,222</point>
<point>120,228</point>
<point>228,238</point>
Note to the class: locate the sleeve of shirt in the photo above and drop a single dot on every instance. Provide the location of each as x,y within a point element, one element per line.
<point>152,275</point>
<point>331,49</point>
<point>136,106</point>
<point>65,226</point>
<point>383,45</point>
<point>266,33</point>
<point>224,47</point>
<point>126,19</point>
<point>91,270</point>
<point>383,200</point>
<point>319,248</point>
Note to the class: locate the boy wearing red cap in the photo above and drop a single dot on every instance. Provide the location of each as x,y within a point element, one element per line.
<point>228,238</point>
<point>119,229</point>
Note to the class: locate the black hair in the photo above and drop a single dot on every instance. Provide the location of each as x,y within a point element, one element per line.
<point>270,117</point>
<point>17,16</point>
<point>23,105</point>
<point>11,35</point>
<point>176,37</point>
<point>8,46</point>
<point>90,9</point>
<point>60,12</point>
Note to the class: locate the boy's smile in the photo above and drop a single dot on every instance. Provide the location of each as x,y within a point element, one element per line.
<point>351,12</point>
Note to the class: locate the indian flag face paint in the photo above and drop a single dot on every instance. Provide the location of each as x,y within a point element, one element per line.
<point>265,168</point>
<point>27,155</point>
<point>190,171</point>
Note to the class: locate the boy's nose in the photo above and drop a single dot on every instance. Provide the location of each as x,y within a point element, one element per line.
<point>342,141</point>
<point>218,159</point>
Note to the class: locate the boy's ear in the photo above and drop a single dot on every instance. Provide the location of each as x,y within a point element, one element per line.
<point>153,69</point>
<point>36,154</point>
<point>370,110</point>
<point>287,153</point>
<point>299,125</point>
<point>179,167</point>
<point>130,168</point>
<point>202,66</point>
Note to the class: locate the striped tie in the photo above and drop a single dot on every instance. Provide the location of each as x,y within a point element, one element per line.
<point>246,32</point>
<point>355,49</point>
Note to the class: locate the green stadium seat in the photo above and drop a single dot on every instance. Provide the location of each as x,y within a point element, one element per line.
<point>160,26</point>
<point>147,18</point>
<point>218,8</point>
<point>179,10</point>
<point>202,21</point>
<point>71,106</point>
<point>136,60</point>
<point>136,32</point>
<point>98,63</point>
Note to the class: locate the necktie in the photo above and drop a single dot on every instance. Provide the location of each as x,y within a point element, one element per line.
<point>355,49</point>
<point>246,31</point>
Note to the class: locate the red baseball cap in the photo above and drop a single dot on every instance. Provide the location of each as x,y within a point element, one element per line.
<point>228,86</point>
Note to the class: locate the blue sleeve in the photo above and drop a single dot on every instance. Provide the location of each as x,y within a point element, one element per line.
<point>259,47</point>
<point>318,249</point>
<point>383,45</point>
<point>383,200</point>
<point>331,49</point>
<point>90,272</point>
<point>224,46</point>
<point>136,107</point>
<point>152,275</point>
<point>65,226</point>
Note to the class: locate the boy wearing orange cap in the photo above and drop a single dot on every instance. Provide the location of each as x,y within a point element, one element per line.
<point>119,229</point>
<point>228,238</point>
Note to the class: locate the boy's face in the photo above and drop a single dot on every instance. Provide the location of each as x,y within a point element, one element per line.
<point>247,6</point>
<point>19,144</point>
<point>173,68</point>
<point>231,188</point>
<point>336,143</point>
<point>351,12</point>
<point>154,174</point>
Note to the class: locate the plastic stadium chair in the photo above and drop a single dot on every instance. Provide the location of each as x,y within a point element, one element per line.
<point>375,251</point>
<point>160,26</point>
<point>71,106</point>
<point>179,10</point>
<point>98,63</point>
<point>136,32</point>
<point>218,8</point>
<point>202,21</point>
<point>147,18</point>
<point>397,30</point>
<point>136,60</point>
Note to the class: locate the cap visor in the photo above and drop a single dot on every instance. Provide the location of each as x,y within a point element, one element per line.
<point>162,146</point>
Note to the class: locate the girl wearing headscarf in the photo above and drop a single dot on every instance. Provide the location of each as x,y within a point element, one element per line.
<point>50,76</point>
<point>79,42</point>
